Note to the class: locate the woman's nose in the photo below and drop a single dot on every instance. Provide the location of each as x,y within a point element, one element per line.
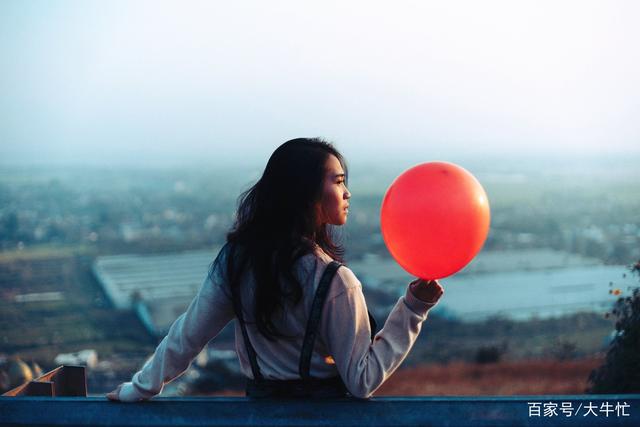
<point>347,194</point>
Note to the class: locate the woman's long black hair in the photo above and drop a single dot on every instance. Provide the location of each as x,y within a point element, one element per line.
<point>276,224</point>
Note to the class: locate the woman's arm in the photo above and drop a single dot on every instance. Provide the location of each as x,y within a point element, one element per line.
<point>208,313</point>
<point>362,364</point>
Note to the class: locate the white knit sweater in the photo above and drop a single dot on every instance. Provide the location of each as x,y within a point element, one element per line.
<point>344,333</point>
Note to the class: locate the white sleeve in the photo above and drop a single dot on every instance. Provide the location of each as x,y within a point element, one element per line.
<point>208,313</point>
<point>362,364</point>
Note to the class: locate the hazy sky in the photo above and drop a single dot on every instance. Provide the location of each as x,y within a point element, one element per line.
<point>144,83</point>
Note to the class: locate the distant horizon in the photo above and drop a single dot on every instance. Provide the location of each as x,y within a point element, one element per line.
<point>383,160</point>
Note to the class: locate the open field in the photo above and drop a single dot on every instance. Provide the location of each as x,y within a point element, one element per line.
<point>46,252</point>
<point>78,317</point>
<point>505,378</point>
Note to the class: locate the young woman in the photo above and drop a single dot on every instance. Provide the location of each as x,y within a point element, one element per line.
<point>303,327</point>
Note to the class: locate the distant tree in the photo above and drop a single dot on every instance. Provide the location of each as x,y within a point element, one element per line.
<point>490,353</point>
<point>564,349</point>
<point>620,373</point>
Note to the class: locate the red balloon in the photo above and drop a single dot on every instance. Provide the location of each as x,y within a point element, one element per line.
<point>435,218</point>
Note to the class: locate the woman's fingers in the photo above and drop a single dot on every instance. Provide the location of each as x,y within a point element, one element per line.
<point>114,395</point>
<point>427,290</point>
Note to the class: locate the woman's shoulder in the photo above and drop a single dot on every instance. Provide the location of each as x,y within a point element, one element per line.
<point>227,254</point>
<point>344,277</point>
<point>230,249</point>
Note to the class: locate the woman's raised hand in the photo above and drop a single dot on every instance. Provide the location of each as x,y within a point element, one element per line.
<point>426,290</point>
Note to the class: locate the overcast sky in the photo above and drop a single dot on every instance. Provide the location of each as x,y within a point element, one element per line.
<point>145,83</point>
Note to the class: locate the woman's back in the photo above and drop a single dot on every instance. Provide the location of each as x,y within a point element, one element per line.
<point>280,358</point>
<point>344,346</point>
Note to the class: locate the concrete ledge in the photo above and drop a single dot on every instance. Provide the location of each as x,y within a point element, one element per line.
<point>406,411</point>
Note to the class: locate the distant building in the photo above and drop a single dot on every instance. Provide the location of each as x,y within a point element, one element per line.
<point>158,287</point>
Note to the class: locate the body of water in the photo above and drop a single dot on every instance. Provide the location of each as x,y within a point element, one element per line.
<point>542,293</point>
<point>525,284</point>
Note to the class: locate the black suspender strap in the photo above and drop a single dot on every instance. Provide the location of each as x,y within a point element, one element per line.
<point>251,352</point>
<point>314,318</point>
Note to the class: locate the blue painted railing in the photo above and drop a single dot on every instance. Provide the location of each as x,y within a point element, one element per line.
<point>583,410</point>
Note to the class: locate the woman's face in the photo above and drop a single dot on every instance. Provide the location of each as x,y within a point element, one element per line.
<point>334,205</point>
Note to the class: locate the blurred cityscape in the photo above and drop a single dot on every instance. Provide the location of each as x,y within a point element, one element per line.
<point>75,241</point>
